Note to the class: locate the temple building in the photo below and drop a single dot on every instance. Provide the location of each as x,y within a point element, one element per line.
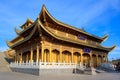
<point>49,40</point>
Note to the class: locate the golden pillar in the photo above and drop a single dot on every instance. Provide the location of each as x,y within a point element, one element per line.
<point>102,59</point>
<point>66,58</point>
<point>61,54</point>
<point>50,60</point>
<point>27,57</point>
<point>91,60</point>
<point>42,52</point>
<point>21,57</point>
<point>37,54</point>
<point>81,52</point>
<point>31,55</point>
<point>44,56</point>
<point>97,60</point>
<point>106,57</point>
<point>50,55</point>
<point>15,58</point>
<point>72,55</point>
<point>18,57</point>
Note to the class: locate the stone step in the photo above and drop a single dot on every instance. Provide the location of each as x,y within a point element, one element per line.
<point>4,64</point>
<point>90,71</point>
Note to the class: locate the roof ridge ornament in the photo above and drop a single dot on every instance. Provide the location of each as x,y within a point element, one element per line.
<point>27,21</point>
<point>104,38</point>
<point>8,43</point>
<point>113,47</point>
<point>17,31</point>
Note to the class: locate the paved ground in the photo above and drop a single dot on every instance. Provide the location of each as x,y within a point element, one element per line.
<point>17,76</point>
<point>100,76</point>
<point>21,76</point>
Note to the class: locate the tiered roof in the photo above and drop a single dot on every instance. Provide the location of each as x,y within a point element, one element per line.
<point>38,25</point>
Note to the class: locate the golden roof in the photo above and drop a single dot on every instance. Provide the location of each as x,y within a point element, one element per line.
<point>27,22</point>
<point>44,10</point>
<point>37,25</point>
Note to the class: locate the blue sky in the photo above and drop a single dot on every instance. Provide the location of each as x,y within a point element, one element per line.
<point>98,17</point>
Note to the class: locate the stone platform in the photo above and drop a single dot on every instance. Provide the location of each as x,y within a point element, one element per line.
<point>38,72</point>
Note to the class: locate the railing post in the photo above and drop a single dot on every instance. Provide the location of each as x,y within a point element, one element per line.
<point>29,63</point>
<point>17,63</point>
<point>11,64</point>
<point>45,62</point>
<point>64,62</point>
<point>70,63</point>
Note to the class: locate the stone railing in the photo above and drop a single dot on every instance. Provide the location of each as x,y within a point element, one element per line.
<point>53,65</point>
<point>46,65</point>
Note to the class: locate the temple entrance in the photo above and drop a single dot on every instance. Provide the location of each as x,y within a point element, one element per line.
<point>56,55</point>
<point>86,59</point>
<point>66,57</point>
<point>76,57</point>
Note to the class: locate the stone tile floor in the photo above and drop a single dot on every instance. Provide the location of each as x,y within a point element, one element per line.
<point>22,76</point>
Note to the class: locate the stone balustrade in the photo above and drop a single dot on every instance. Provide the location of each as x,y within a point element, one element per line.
<point>38,68</point>
<point>46,65</point>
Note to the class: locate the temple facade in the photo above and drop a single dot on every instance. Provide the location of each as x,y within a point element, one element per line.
<point>49,40</point>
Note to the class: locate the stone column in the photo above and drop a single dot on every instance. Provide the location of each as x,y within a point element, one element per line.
<point>31,55</point>
<point>37,53</point>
